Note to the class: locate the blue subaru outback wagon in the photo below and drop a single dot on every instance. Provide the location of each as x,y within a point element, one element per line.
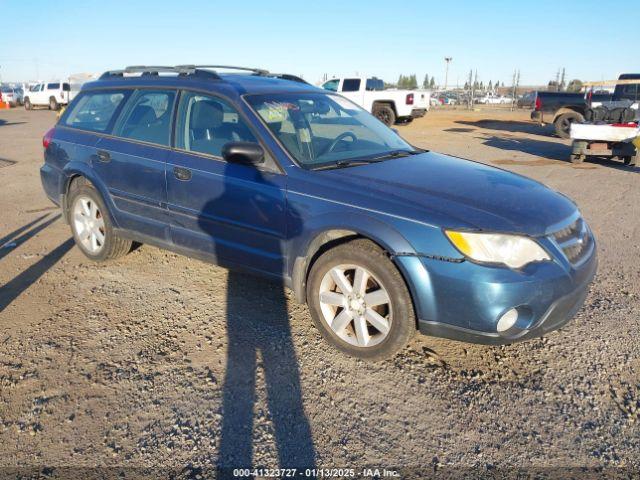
<point>269,174</point>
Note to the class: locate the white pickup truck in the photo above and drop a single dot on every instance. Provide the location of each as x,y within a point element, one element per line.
<point>49,94</point>
<point>389,106</point>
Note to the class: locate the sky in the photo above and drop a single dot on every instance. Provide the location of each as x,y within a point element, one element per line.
<point>592,40</point>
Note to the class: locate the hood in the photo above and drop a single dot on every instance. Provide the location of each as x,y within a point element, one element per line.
<point>452,192</point>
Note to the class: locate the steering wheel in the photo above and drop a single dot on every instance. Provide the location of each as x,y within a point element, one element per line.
<point>339,138</point>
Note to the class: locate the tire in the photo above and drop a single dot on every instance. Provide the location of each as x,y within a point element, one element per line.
<point>27,104</point>
<point>385,114</point>
<point>563,123</point>
<point>576,158</point>
<point>53,104</point>
<point>83,201</point>
<point>379,320</point>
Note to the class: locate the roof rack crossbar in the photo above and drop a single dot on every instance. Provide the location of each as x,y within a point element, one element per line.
<point>257,71</point>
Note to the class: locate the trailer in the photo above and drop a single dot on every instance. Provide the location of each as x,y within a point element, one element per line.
<point>605,140</point>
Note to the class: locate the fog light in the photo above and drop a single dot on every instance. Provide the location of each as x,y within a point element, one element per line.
<point>507,320</point>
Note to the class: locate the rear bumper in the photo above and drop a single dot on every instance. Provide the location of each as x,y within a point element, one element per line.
<point>418,112</point>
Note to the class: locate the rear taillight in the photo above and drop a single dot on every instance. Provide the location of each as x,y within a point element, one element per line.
<point>46,140</point>
<point>538,104</point>
<point>409,99</point>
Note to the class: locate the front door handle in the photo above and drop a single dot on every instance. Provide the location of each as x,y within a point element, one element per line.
<point>183,174</point>
<point>103,156</point>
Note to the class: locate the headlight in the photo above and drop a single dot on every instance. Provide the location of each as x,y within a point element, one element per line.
<point>511,250</point>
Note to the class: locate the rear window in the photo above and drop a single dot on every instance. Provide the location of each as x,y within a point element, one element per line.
<point>53,86</point>
<point>351,85</point>
<point>94,110</point>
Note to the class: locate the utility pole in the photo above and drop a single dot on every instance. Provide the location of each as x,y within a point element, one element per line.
<point>446,70</point>
<point>471,91</point>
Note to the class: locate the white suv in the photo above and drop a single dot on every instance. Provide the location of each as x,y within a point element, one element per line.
<point>52,95</point>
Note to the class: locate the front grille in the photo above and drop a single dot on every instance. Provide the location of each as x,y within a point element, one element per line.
<point>575,241</point>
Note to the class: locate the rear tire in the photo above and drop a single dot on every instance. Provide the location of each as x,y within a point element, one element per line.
<point>575,158</point>
<point>563,123</point>
<point>367,313</point>
<point>385,114</point>
<point>91,224</point>
<point>27,104</point>
<point>53,104</point>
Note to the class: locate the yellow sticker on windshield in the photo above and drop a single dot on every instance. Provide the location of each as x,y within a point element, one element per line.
<point>276,111</point>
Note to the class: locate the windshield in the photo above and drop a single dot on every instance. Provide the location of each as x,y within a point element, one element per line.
<point>322,129</point>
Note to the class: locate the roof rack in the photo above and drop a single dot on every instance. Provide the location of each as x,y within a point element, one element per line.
<point>208,71</point>
<point>148,70</point>
<point>287,76</point>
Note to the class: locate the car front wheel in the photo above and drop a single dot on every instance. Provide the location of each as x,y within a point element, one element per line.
<point>360,302</point>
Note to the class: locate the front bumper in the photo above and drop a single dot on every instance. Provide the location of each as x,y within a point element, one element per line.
<point>463,300</point>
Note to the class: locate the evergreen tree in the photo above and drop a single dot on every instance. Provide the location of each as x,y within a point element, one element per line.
<point>481,85</point>
<point>432,83</point>
<point>575,85</point>
<point>490,87</point>
<point>413,82</point>
<point>425,82</point>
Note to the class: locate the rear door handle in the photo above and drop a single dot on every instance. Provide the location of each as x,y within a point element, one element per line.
<point>183,174</point>
<point>104,156</point>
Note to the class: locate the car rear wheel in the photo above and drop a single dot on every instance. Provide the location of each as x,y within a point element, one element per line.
<point>385,114</point>
<point>27,104</point>
<point>91,225</point>
<point>360,302</point>
<point>53,104</point>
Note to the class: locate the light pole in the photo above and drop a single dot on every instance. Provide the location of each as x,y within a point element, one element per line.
<point>446,71</point>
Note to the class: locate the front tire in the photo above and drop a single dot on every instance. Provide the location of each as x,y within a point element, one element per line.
<point>91,224</point>
<point>360,302</point>
<point>385,114</point>
<point>27,104</point>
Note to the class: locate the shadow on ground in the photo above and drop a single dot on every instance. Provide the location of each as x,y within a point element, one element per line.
<point>14,287</point>
<point>515,126</point>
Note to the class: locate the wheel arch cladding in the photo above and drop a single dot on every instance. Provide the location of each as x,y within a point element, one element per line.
<point>75,170</point>
<point>305,250</point>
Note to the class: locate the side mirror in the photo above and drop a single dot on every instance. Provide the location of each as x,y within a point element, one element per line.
<point>244,153</point>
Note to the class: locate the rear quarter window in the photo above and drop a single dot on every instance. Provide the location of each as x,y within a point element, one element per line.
<point>53,86</point>
<point>94,110</point>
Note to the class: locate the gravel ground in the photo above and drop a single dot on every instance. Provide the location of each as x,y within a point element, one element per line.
<point>159,361</point>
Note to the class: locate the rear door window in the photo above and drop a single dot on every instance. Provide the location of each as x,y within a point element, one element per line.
<point>94,110</point>
<point>147,117</point>
<point>53,86</point>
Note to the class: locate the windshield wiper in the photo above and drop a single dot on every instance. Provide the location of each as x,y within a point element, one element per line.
<point>346,163</point>
<point>395,154</point>
<point>354,162</point>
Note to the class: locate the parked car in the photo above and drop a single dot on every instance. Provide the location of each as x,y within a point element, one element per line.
<point>300,184</point>
<point>9,95</point>
<point>493,98</point>
<point>20,95</point>
<point>527,100</point>
<point>562,109</point>
<point>51,94</point>
<point>390,106</point>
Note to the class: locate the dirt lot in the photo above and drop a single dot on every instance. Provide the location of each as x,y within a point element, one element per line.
<point>123,364</point>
